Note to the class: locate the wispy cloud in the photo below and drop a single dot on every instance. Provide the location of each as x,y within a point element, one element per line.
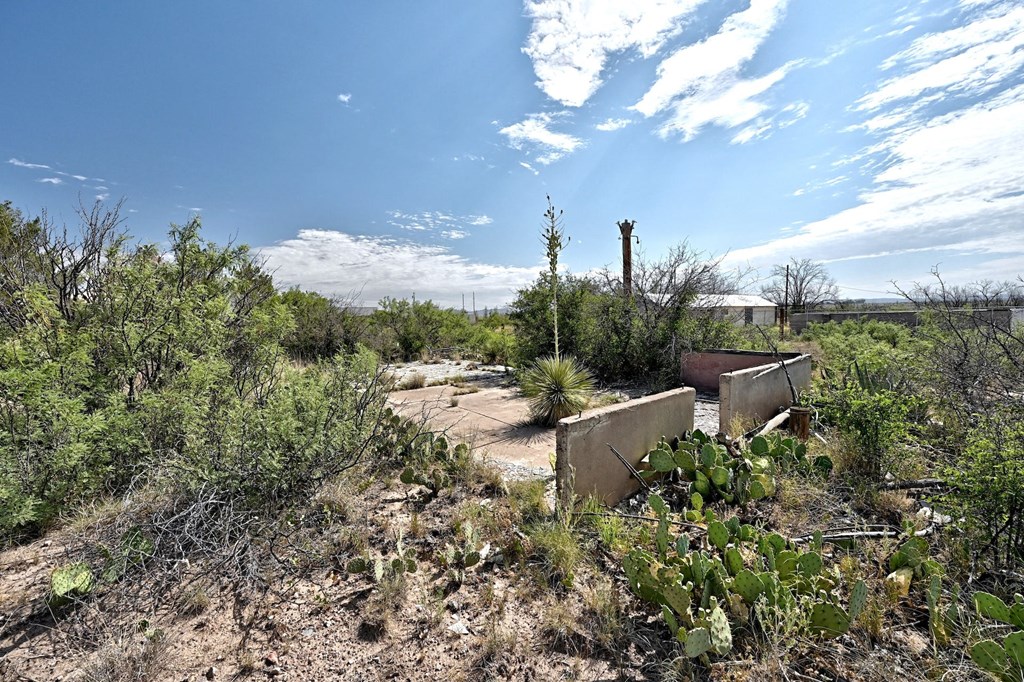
<point>613,124</point>
<point>570,40</point>
<point>52,181</point>
<point>529,168</point>
<point>25,164</point>
<point>702,84</point>
<point>448,225</point>
<point>965,62</point>
<point>103,196</point>
<point>947,172</point>
<point>534,135</point>
<point>338,263</point>
<point>345,97</point>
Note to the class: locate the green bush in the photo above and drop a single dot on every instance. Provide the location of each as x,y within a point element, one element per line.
<point>134,367</point>
<point>557,388</point>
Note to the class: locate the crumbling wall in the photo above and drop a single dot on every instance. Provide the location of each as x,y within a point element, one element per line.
<point>702,370</point>
<point>584,463</point>
<point>759,393</point>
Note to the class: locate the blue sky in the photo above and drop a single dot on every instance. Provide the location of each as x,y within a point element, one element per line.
<point>391,148</point>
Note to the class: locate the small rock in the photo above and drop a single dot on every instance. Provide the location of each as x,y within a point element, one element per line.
<point>47,543</point>
<point>308,632</point>
<point>211,672</point>
<point>270,659</point>
<point>459,628</point>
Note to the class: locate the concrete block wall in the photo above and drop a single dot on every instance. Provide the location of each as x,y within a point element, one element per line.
<point>908,318</point>
<point>585,465</point>
<point>702,370</point>
<point>760,392</point>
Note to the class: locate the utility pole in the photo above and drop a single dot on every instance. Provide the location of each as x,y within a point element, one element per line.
<point>785,309</point>
<point>626,228</point>
<point>474,307</point>
<point>463,304</point>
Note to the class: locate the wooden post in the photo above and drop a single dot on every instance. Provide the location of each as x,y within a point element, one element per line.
<point>785,309</point>
<point>626,228</point>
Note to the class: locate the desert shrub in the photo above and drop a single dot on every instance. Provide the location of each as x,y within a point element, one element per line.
<point>987,489</point>
<point>406,329</point>
<point>557,388</point>
<point>323,327</point>
<point>877,424</point>
<point>138,368</point>
<point>881,348</point>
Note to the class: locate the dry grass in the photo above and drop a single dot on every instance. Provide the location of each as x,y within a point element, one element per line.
<point>411,382</point>
<point>129,657</point>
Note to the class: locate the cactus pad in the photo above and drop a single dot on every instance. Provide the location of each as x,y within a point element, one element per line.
<point>718,534</point>
<point>989,656</point>
<point>721,633</point>
<point>858,599</point>
<point>662,460</point>
<point>698,642</point>
<point>991,606</point>
<point>809,564</point>
<point>733,561</point>
<point>747,585</point>
<point>678,598</point>
<point>829,620</point>
<point>1017,615</point>
<point>70,581</point>
<point>1014,647</point>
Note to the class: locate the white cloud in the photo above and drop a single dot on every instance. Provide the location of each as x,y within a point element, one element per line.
<point>951,182</point>
<point>433,221</point>
<point>337,263</point>
<point>534,135</point>
<point>52,181</point>
<point>529,168</point>
<point>196,209</point>
<point>80,178</point>
<point>613,124</point>
<point>345,97</point>
<point>947,168</point>
<point>965,61</point>
<point>700,84</point>
<point>103,196</point>
<point>25,164</point>
<point>570,40</point>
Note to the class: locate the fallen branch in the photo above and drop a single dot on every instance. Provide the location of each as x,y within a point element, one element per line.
<point>630,467</point>
<point>914,484</point>
<point>861,535</point>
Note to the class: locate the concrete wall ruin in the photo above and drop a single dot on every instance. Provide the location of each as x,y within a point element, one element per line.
<point>750,384</point>
<point>759,393</point>
<point>584,463</point>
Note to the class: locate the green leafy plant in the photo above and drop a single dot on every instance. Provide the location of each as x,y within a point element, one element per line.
<point>1004,661</point>
<point>70,582</point>
<point>712,472</point>
<point>790,454</point>
<point>557,388</point>
<point>735,573</point>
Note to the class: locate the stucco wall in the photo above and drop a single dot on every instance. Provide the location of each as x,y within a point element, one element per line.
<point>759,393</point>
<point>702,370</point>
<point>584,463</point>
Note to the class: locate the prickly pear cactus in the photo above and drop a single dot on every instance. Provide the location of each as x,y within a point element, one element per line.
<point>990,657</point>
<point>992,607</point>
<point>829,620</point>
<point>698,642</point>
<point>721,633</point>
<point>70,582</point>
<point>747,585</point>
<point>718,534</point>
<point>858,599</point>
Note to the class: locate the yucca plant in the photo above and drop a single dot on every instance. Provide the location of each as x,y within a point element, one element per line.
<point>557,388</point>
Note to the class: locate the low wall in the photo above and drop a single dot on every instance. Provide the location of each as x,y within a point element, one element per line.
<point>908,318</point>
<point>702,370</point>
<point>584,463</point>
<point>761,392</point>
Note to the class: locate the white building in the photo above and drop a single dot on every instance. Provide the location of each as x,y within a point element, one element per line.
<point>741,309</point>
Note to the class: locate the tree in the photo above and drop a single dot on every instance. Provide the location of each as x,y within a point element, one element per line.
<point>810,284</point>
